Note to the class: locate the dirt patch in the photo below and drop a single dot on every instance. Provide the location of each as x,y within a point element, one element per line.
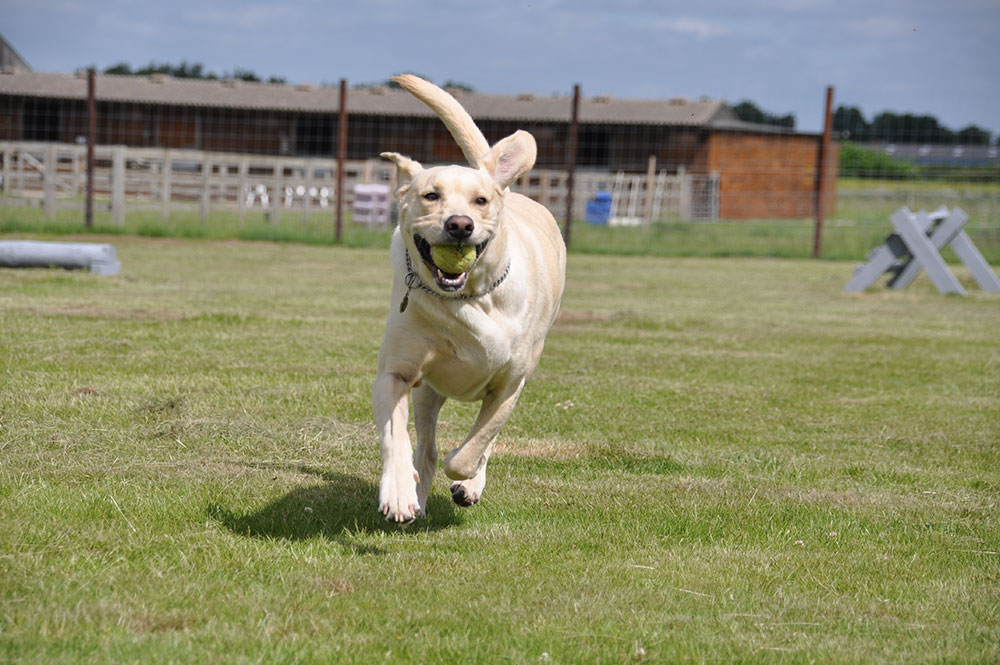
<point>148,623</point>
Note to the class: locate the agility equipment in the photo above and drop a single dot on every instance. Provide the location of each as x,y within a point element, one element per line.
<point>916,244</point>
<point>100,259</point>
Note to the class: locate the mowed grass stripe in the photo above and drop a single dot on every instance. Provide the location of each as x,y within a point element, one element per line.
<point>717,460</point>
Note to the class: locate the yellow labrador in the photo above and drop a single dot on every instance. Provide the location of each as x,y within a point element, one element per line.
<point>472,336</point>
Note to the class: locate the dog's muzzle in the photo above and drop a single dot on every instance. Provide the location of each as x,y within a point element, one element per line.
<point>446,281</point>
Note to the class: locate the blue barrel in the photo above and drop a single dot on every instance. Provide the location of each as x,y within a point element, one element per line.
<point>599,208</point>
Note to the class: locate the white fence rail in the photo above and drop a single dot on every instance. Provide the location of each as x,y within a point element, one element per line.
<point>167,180</point>
<point>171,180</point>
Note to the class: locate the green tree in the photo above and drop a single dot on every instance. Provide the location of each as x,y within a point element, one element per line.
<point>910,128</point>
<point>186,70</point>
<point>849,122</point>
<point>121,69</point>
<point>244,75</point>
<point>858,162</point>
<point>973,135</point>
<point>458,85</point>
<point>747,111</point>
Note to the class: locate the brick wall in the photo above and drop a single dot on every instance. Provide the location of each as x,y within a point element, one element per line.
<point>767,176</point>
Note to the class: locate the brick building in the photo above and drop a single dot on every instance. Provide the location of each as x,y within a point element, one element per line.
<point>763,171</point>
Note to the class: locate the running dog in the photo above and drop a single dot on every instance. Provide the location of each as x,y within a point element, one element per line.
<point>473,336</point>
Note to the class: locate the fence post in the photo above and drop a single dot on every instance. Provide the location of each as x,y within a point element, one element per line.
<point>341,158</point>
<point>91,140</point>
<point>279,191</point>
<point>49,180</point>
<point>166,171</point>
<point>684,198</point>
<point>307,184</point>
<point>647,202</point>
<point>822,169</point>
<point>21,154</point>
<point>118,185</point>
<point>8,156</point>
<point>206,187</point>
<point>243,193</point>
<point>79,156</point>
<point>571,161</point>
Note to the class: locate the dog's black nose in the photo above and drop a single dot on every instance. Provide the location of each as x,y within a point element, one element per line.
<point>459,227</point>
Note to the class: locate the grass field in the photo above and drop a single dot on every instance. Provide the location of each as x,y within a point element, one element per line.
<point>718,460</point>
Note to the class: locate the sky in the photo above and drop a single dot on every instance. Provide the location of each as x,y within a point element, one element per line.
<point>906,56</point>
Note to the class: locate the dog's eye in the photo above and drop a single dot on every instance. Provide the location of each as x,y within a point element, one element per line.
<point>431,196</point>
<point>481,201</point>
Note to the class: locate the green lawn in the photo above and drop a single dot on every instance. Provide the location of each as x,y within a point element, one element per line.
<point>717,460</point>
<point>861,222</point>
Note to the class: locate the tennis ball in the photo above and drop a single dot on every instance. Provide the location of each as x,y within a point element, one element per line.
<point>454,259</point>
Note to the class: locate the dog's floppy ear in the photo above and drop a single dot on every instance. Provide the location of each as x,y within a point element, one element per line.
<point>511,158</point>
<point>406,168</point>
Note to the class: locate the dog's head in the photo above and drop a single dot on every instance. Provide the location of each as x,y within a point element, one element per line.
<point>457,205</point>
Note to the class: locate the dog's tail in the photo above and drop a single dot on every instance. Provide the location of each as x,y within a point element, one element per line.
<point>458,121</point>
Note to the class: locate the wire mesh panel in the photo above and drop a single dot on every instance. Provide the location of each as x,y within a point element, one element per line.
<point>255,150</point>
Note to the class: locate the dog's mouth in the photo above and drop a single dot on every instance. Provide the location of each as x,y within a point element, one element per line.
<point>446,281</point>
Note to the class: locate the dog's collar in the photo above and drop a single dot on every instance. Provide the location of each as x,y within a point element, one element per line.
<point>413,282</point>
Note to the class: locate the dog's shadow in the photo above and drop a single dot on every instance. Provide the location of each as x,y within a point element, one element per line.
<point>341,509</point>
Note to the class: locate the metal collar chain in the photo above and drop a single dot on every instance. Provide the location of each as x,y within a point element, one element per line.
<point>413,282</point>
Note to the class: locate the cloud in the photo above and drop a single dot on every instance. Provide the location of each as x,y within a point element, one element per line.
<point>247,17</point>
<point>882,27</point>
<point>693,26</point>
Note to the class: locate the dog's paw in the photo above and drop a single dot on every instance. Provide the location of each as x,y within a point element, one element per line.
<point>398,500</point>
<point>466,493</point>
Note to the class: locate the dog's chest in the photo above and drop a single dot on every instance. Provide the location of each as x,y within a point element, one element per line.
<point>468,357</point>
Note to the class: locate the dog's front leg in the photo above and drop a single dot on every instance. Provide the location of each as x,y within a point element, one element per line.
<point>398,488</point>
<point>466,461</point>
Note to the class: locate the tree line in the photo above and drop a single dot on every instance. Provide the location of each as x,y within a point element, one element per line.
<point>849,122</point>
<point>187,70</point>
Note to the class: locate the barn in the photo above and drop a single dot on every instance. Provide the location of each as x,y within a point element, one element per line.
<point>760,171</point>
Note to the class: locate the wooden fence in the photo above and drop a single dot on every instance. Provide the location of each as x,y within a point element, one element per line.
<point>54,175</point>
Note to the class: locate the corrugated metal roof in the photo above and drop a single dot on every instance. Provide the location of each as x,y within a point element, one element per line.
<point>165,90</point>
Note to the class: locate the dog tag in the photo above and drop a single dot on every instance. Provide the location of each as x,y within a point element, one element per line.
<point>406,301</point>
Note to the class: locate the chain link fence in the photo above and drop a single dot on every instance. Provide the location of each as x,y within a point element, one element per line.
<point>232,155</point>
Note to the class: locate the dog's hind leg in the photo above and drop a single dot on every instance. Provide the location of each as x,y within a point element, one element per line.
<point>468,492</point>
<point>427,404</point>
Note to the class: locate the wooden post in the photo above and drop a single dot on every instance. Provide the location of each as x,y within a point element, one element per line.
<point>684,194</point>
<point>91,140</point>
<point>647,203</point>
<point>822,171</point>
<point>279,190</point>
<point>243,193</point>
<point>341,158</point>
<point>571,161</point>
<point>78,164</point>
<point>206,186</point>
<point>49,180</point>
<point>307,180</point>
<point>22,154</point>
<point>118,185</point>
<point>8,157</point>
<point>166,172</point>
